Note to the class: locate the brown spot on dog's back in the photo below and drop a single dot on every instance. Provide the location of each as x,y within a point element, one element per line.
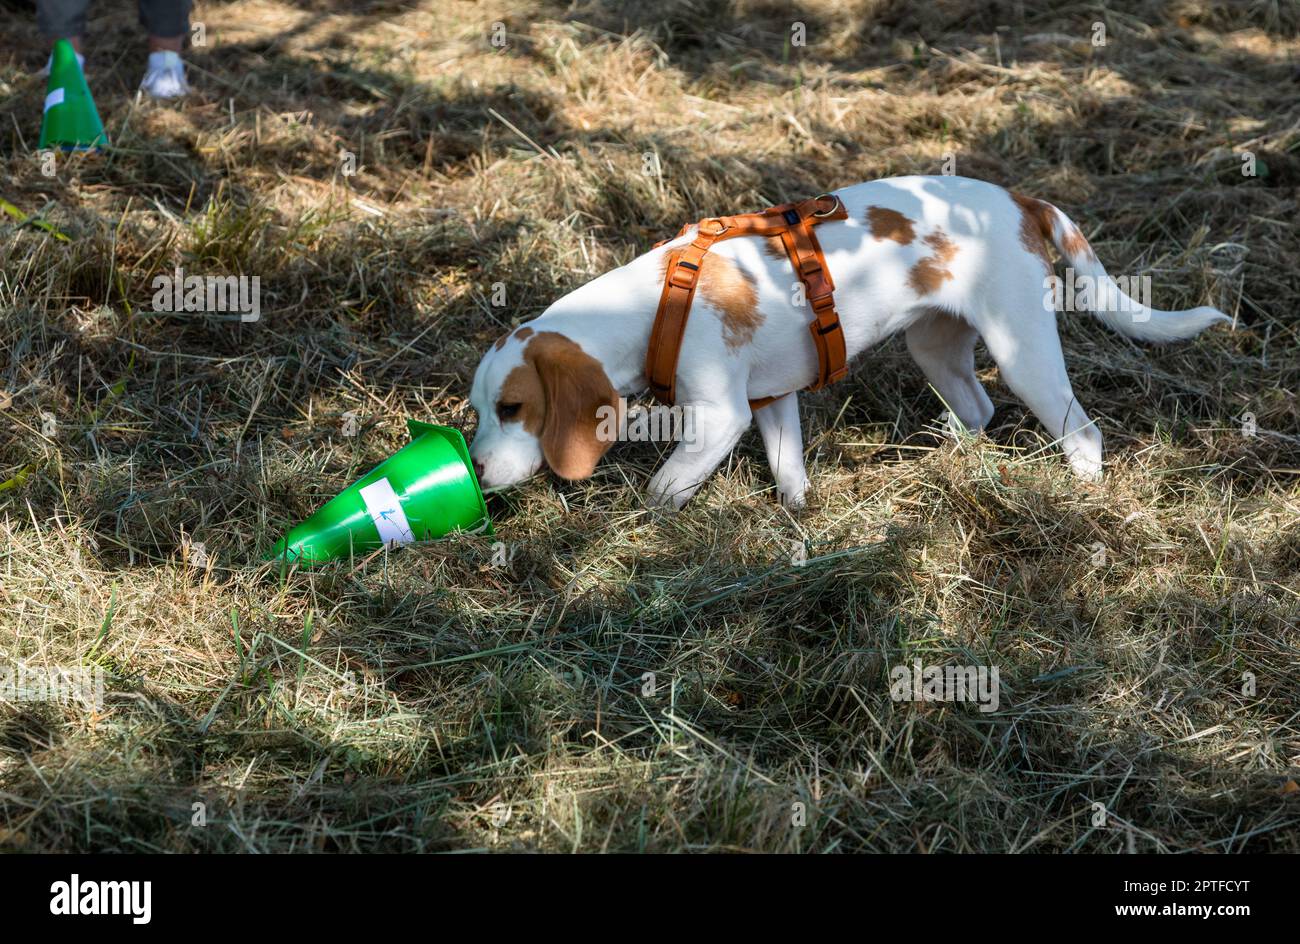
<point>523,334</point>
<point>730,290</point>
<point>931,272</point>
<point>501,341</point>
<point>1035,226</point>
<point>774,248</point>
<point>890,224</point>
<point>1037,219</point>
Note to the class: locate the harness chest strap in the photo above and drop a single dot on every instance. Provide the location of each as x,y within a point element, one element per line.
<point>793,223</point>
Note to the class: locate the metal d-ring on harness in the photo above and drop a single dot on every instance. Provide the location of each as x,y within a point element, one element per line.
<point>793,223</point>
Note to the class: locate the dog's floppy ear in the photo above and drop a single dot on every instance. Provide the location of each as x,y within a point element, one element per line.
<point>575,387</point>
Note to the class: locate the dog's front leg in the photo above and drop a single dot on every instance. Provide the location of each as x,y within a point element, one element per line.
<point>783,440</point>
<point>711,432</point>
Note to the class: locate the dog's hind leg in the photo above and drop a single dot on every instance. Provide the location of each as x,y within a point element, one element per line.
<point>1022,339</point>
<point>783,440</point>
<point>943,346</point>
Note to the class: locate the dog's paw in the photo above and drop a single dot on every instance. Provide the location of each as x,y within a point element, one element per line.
<point>793,495</point>
<point>666,497</point>
<point>1086,467</point>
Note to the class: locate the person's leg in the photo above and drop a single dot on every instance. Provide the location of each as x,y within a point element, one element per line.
<point>63,19</point>
<point>166,43</point>
<point>167,22</point>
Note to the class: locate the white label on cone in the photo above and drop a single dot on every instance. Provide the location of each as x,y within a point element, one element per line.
<point>54,98</point>
<point>386,512</point>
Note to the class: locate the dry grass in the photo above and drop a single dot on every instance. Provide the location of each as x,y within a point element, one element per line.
<point>429,700</point>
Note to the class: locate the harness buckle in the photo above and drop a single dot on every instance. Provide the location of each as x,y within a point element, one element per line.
<point>684,275</point>
<point>809,266</point>
<point>835,205</point>
<point>713,227</point>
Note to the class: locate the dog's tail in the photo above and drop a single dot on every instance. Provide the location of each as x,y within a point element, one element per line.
<point>1098,293</point>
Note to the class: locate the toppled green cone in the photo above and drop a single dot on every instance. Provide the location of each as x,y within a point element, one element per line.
<point>425,491</point>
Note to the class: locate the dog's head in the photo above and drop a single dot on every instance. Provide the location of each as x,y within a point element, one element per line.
<point>539,398</point>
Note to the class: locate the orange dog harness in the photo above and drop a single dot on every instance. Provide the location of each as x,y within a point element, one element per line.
<point>793,223</point>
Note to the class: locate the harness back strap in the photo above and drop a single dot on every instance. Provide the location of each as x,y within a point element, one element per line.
<point>793,223</point>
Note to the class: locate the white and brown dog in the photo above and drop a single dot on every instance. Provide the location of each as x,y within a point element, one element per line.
<point>947,260</point>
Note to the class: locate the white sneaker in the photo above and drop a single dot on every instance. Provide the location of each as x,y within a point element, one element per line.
<point>81,61</point>
<point>165,77</point>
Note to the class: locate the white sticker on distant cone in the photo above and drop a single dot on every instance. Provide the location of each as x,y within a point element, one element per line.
<point>54,98</point>
<point>386,512</point>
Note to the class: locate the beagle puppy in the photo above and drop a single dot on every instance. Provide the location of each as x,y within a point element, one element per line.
<point>946,260</point>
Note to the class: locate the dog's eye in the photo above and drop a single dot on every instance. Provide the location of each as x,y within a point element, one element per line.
<point>507,411</point>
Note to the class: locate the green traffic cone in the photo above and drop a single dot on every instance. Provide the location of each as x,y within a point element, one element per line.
<point>71,121</point>
<point>424,491</point>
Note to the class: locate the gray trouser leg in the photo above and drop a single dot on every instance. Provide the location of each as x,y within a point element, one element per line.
<point>60,19</point>
<point>166,18</point>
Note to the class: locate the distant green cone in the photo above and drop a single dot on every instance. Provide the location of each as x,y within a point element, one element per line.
<point>424,491</point>
<point>71,121</point>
